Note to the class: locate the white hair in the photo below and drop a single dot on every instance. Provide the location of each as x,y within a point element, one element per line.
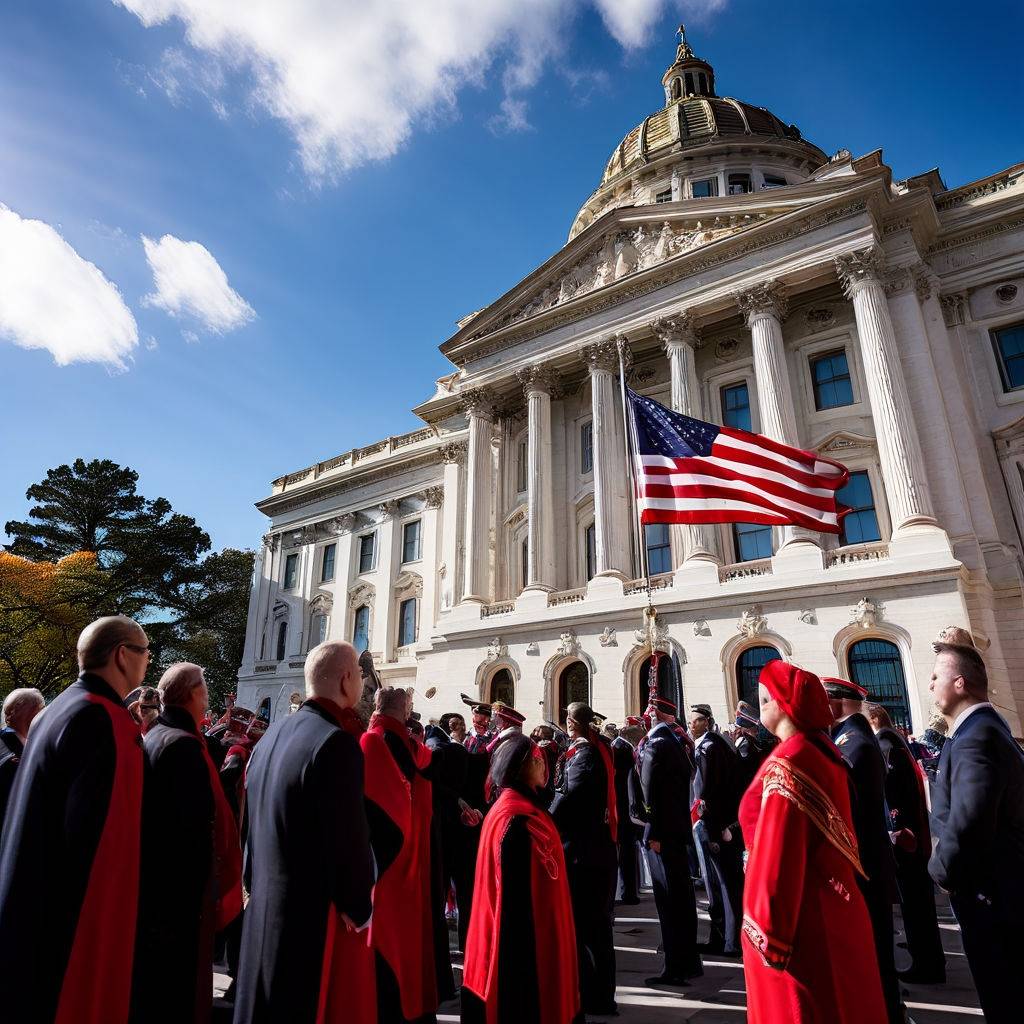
<point>19,702</point>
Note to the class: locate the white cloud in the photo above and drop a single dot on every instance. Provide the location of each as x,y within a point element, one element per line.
<point>352,79</point>
<point>52,298</point>
<point>190,282</point>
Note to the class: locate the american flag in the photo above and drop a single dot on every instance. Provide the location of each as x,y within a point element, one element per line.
<point>689,471</point>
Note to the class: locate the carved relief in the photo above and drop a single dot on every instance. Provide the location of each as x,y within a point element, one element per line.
<point>701,628</point>
<point>865,613</point>
<point>408,584</point>
<point>388,509</point>
<point>569,644</point>
<point>343,523</point>
<point>819,318</point>
<point>808,616</point>
<point>364,593</point>
<point>533,647</point>
<point>433,497</point>
<point>752,621</point>
<point>270,541</point>
<point>607,637</point>
<point>726,349</point>
<point>454,452</point>
<point>496,649</point>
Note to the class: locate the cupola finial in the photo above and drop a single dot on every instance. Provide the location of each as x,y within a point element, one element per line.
<point>684,52</point>
<point>689,74</point>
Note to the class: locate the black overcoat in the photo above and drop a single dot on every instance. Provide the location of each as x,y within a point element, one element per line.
<point>307,855</point>
<point>665,781</point>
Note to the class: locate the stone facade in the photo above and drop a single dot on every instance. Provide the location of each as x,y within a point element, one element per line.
<point>523,563</point>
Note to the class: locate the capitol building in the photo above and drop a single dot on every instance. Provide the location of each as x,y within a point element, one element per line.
<point>751,280</point>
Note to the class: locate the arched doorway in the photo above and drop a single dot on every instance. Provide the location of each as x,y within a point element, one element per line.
<point>573,685</point>
<point>748,669</point>
<point>666,681</point>
<point>877,666</point>
<point>502,687</point>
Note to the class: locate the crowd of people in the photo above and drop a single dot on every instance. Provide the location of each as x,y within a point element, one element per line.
<point>322,859</point>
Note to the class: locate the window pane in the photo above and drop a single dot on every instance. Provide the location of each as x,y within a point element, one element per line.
<point>573,685</point>
<point>587,448</point>
<point>739,184</point>
<point>291,564</point>
<point>327,568</point>
<point>407,622</point>
<point>860,524</point>
<point>876,665</point>
<point>736,407</point>
<point>591,541</point>
<point>664,197</point>
<point>503,688</point>
<point>522,464</point>
<point>705,188</point>
<point>832,387</point>
<point>411,541</point>
<point>659,550</point>
<point>753,540</point>
<point>361,630</point>
<point>752,660</point>
<point>366,545</point>
<point>282,640</point>
<point>773,181</point>
<point>525,563</point>
<point>318,630</point>
<point>1010,352</point>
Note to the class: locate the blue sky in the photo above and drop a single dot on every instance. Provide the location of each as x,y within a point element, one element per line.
<point>355,187</point>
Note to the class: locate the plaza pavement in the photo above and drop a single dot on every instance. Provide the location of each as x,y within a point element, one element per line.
<point>719,997</point>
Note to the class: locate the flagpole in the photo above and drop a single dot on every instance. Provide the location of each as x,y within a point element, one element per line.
<point>629,435</point>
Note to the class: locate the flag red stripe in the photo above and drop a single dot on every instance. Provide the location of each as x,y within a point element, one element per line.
<point>721,494</point>
<point>785,450</point>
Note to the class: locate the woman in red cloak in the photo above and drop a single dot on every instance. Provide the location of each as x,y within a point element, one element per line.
<point>521,948</point>
<point>808,949</point>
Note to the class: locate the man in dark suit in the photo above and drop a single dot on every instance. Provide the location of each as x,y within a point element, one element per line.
<point>20,707</point>
<point>912,846</point>
<point>624,758</point>
<point>581,811</point>
<point>851,732</point>
<point>716,802</point>
<point>978,825</point>
<point>308,850</point>
<point>665,780</point>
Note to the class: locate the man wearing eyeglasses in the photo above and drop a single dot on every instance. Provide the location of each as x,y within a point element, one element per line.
<point>69,855</point>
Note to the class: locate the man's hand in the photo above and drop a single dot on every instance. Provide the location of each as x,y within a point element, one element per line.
<point>470,816</point>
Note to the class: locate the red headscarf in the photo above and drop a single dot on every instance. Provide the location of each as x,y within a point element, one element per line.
<point>799,694</point>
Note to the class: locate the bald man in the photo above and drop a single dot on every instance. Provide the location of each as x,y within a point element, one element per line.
<point>69,857</point>
<point>308,863</point>
<point>20,707</point>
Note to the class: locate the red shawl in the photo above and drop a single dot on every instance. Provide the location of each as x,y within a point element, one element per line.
<point>401,929</point>
<point>97,981</point>
<point>552,913</point>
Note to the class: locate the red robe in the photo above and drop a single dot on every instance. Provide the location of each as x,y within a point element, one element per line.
<point>803,912</point>
<point>556,969</point>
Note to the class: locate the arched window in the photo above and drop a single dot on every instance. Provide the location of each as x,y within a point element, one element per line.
<point>748,669</point>
<point>666,681</point>
<point>361,629</point>
<point>502,687</point>
<point>877,666</point>
<point>690,88</point>
<point>702,81</point>
<point>677,89</point>
<point>573,685</point>
<point>282,640</point>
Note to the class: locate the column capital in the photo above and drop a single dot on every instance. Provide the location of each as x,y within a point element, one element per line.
<point>601,357</point>
<point>954,308</point>
<point>765,299</point>
<point>538,378</point>
<point>388,509</point>
<point>678,329</point>
<point>857,269</point>
<point>343,524</point>
<point>454,451</point>
<point>478,402</point>
<point>271,540</point>
<point>433,497</point>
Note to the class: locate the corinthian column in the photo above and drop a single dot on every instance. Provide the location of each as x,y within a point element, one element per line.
<point>680,338</point>
<point>899,448</point>
<point>538,385</point>
<point>611,500</point>
<point>765,307</point>
<point>480,407</point>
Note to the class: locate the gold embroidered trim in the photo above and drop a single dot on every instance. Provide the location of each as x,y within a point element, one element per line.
<point>773,953</point>
<point>788,781</point>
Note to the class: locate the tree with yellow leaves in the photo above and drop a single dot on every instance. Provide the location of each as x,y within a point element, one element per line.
<point>43,608</point>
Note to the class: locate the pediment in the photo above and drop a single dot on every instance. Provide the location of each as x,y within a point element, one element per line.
<point>843,442</point>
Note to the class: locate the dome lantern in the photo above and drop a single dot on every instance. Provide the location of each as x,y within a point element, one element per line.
<point>689,75</point>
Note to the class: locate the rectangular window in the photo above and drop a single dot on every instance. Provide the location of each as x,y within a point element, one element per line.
<point>367,549</point>
<point>736,407</point>
<point>739,184</point>
<point>664,197</point>
<point>407,622</point>
<point>831,376</point>
<point>590,540</point>
<point>522,464</point>
<point>291,571</point>
<point>773,181</point>
<point>860,524</point>
<point>1009,346</point>
<point>587,448</point>
<point>525,563</point>
<point>411,541</point>
<point>706,188</point>
<point>327,565</point>
<point>318,630</point>
<point>659,551</point>
<point>752,540</point>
